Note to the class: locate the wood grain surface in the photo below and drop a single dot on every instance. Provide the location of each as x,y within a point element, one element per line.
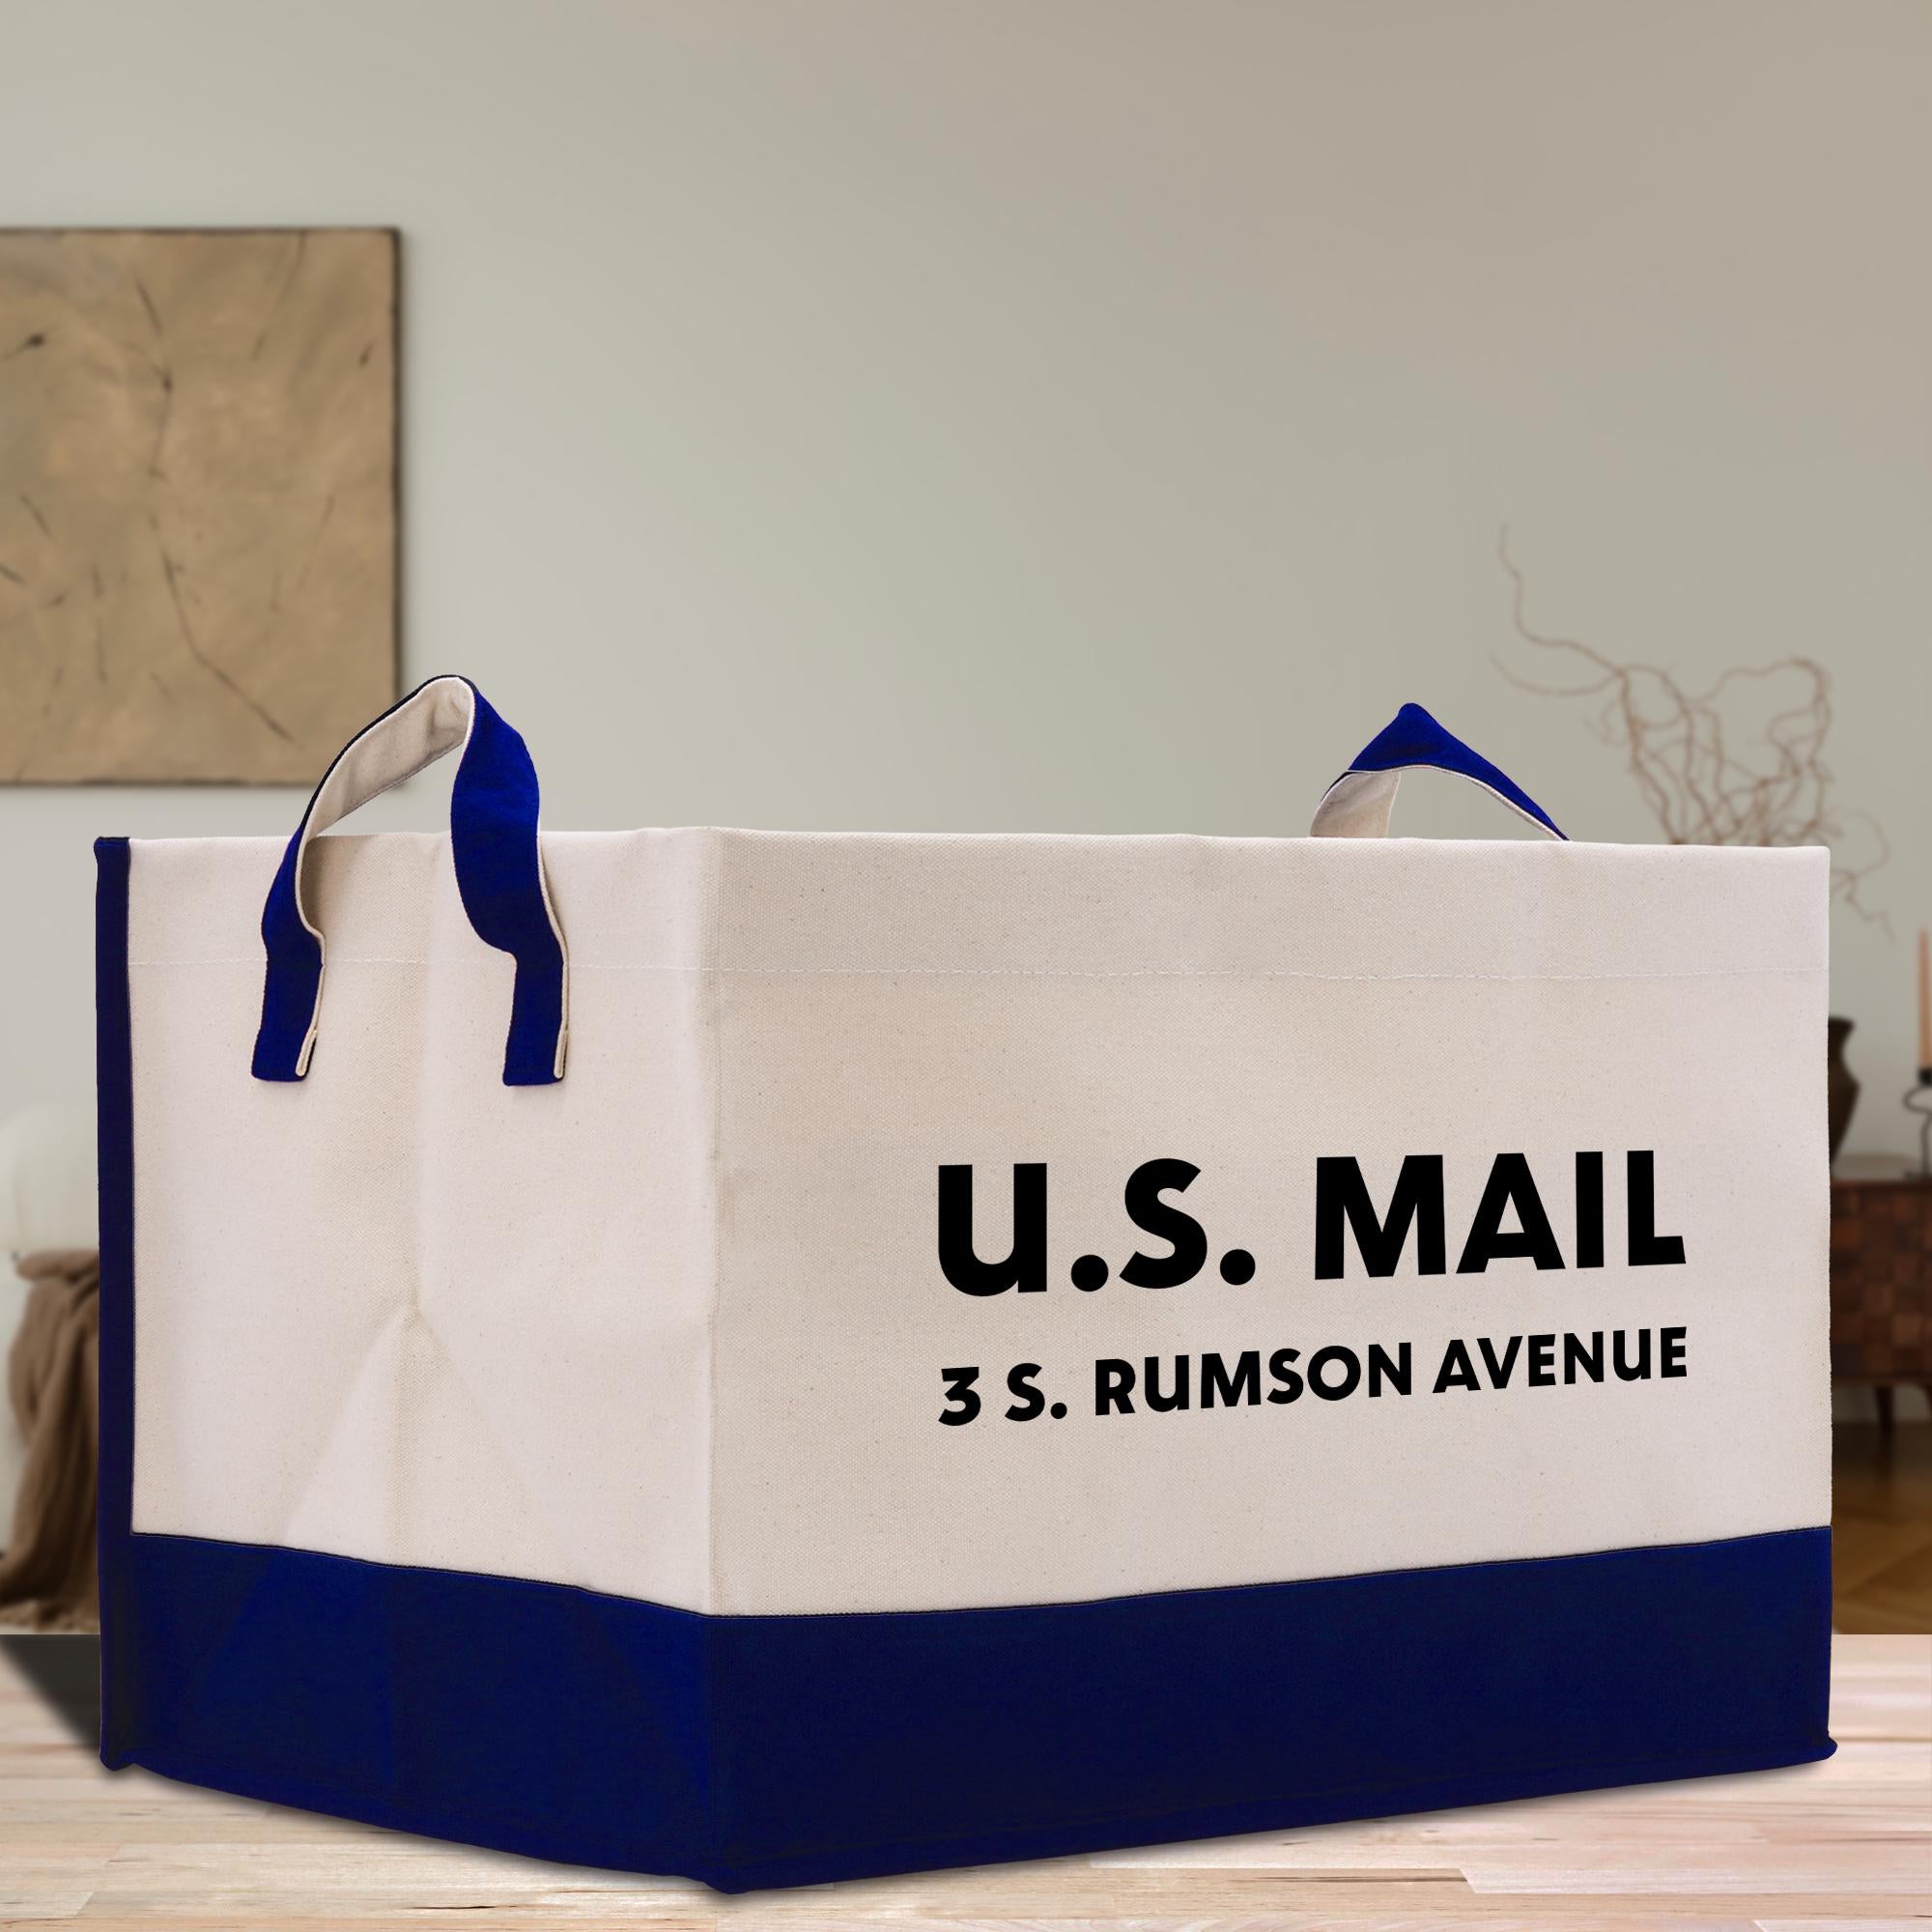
<point>1846,1842</point>
<point>1881,1529</point>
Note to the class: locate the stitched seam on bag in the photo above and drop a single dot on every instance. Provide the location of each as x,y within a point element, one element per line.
<point>1118,1597</point>
<point>1056,972</point>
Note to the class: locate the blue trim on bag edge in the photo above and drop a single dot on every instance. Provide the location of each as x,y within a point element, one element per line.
<point>114,1129</point>
<point>900,1739</point>
<point>760,1751</point>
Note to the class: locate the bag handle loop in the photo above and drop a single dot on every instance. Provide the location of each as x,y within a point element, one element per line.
<point>493,828</point>
<point>1358,804</point>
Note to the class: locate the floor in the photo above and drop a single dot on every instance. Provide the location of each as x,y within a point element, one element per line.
<point>1844,1843</point>
<point>1882,1527</point>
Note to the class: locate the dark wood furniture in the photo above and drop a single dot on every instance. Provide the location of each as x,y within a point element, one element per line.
<point>1881,1277</point>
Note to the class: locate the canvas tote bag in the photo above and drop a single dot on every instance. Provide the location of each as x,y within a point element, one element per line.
<point>775,1356</point>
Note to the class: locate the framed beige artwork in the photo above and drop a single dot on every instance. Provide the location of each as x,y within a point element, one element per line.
<point>198,505</point>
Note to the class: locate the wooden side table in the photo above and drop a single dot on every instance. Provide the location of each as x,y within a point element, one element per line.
<point>1881,1277</point>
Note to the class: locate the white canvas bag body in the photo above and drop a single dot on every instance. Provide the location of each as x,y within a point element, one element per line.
<point>777,1356</point>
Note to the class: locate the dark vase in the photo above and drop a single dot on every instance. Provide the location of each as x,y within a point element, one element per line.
<point>1842,1085</point>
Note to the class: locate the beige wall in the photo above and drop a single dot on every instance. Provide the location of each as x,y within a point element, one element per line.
<point>1079,417</point>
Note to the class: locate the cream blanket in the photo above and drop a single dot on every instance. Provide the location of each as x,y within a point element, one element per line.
<point>47,1577</point>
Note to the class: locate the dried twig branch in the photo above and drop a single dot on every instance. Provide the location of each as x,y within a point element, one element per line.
<point>1700,787</point>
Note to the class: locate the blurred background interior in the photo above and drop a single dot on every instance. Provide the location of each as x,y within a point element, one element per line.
<point>1090,418</point>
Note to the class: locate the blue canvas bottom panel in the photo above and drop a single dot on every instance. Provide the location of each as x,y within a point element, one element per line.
<point>753,1751</point>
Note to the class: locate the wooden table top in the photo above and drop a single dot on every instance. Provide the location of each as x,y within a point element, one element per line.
<point>1846,1842</point>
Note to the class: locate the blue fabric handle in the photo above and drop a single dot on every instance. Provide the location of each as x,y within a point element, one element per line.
<point>493,824</point>
<point>1357,804</point>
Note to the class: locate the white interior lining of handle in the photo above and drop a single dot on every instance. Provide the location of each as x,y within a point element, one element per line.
<point>431,720</point>
<point>1358,804</point>
<point>436,719</point>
